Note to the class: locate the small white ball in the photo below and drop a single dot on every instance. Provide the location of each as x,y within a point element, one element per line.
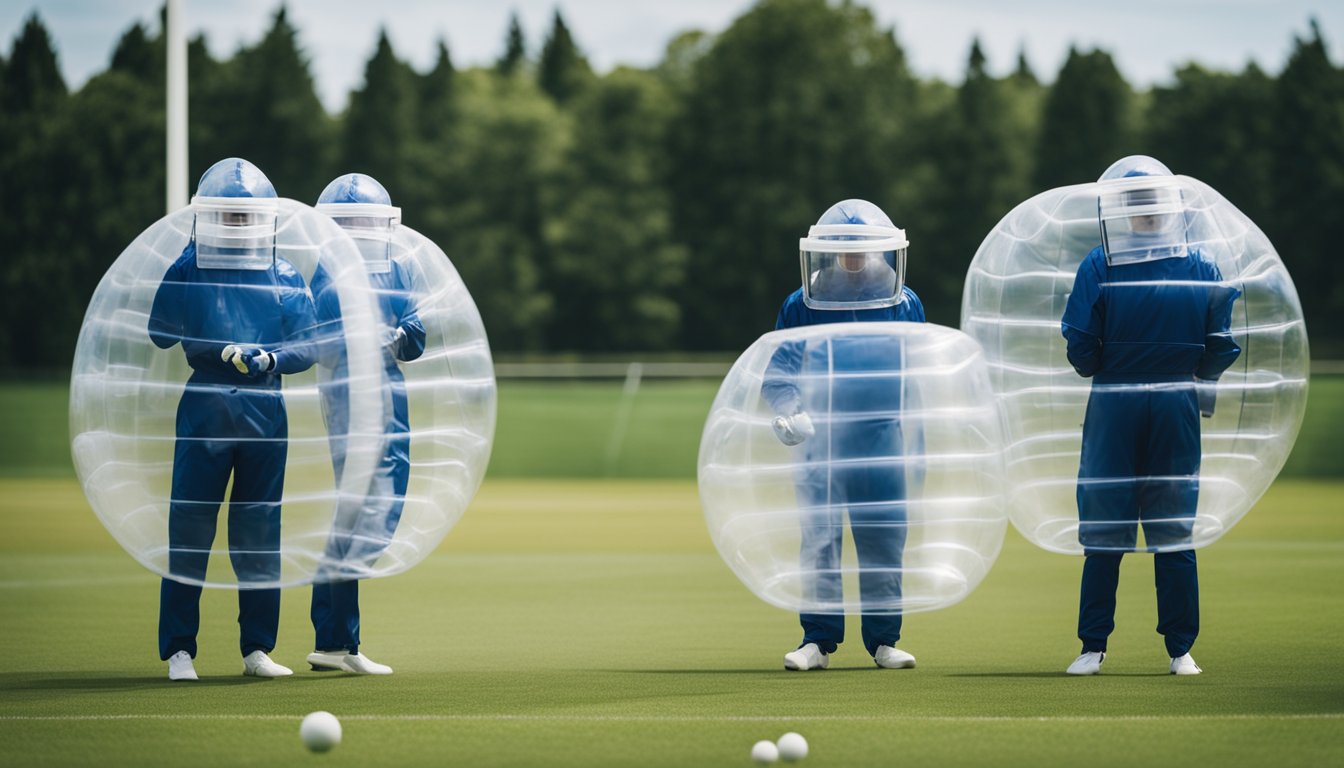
<point>792,747</point>
<point>765,752</point>
<point>320,731</point>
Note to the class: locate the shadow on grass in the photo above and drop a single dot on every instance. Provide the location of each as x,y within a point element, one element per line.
<point>780,670</point>
<point>1056,674</point>
<point>101,681</point>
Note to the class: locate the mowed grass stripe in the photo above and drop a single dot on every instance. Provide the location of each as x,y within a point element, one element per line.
<point>562,718</point>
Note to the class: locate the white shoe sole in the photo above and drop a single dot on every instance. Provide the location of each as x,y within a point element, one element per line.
<point>329,662</point>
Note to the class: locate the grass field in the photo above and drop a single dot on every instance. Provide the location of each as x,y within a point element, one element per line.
<point>589,622</point>
<point>577,429</point>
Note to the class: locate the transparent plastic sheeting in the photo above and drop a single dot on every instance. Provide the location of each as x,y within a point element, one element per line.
<point>1015,296</point>
<point>441,430</point>
<point>284,505</point>
<point>904,461</point>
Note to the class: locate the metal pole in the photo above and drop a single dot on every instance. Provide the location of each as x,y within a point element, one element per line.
<point>176,36</point>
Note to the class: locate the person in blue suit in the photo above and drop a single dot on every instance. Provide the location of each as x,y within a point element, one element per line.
<point>243,316</point>
<point>853,266</point>
<point>363,208</point>
<point>1148,320</point>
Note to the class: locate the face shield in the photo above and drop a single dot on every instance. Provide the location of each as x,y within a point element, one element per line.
<point>371,226</point>
<point>852,266</point>
<point>235,232</point>
<point>1142,219</point>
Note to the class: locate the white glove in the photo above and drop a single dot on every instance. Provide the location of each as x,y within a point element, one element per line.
<point>394,338</point>
<point>248,360</point>
<point>792,430</point>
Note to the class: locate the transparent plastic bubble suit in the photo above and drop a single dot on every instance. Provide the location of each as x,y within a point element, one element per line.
<point>242,460</point>
<point>905,444</point>
<point>440,405</point>
<point>1015,296</point>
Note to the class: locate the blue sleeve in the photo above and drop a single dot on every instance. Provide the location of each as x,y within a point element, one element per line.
<point>329,333</point>
<point>412,345</point>
<point>1220,349</point>
<point>299,319</point>
<point>165,316</point>
<point>1084,319</point>
<point>780,388</point>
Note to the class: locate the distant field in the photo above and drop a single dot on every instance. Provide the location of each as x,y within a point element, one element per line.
<point>586,429</point>
<point>590,623</point>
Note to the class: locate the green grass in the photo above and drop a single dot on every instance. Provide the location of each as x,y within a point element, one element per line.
<point>590,623</point>
<point>586,429</point>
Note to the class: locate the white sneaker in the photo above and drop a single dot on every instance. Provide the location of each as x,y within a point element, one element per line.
<point>805,658</point>
<point>1184,665</point>
<point>354,663</point>
<point>180,667</point>
<point>890,657</point>
<point>258,664</point>
<point>1087,664</point>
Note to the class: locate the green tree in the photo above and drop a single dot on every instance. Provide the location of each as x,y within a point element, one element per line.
<point>1309,184</point>
<point>615,264</point>
<point>263,108</point>
<point>1219,128</point>
<point>515,49</point>
<point>436,104</point>
<point>562,70</point>
<point>980,177</point>
<point>798,105</point>
<point>380,127</point>
<point>506,149</point>
<point>140,56</point>
<point>1088,121</point>
<point>32,98</point>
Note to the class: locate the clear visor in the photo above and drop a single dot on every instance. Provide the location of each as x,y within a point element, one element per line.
<point>371,225</point>
<point>1142,223</point>
<point>852,266</point>
<point>235,233</point>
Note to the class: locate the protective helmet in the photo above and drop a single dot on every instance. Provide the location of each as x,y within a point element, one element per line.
<point>363,208</point>
<point>853,258</point>
<point>236,212</point>
<point>1141,211</point>
<point>1135,165</point>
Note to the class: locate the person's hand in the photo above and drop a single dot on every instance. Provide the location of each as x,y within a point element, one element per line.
<point>248,360</point>
<point>1206,390</point>
<point>792,430</point>
<point>392,341</point>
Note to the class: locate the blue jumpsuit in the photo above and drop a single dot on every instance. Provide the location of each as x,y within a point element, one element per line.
<point>335,606</point>
<point>826,484</point>
<point>1143,345</point>
<point>228,423</point>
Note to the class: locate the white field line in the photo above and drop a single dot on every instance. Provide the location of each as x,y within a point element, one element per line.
<point>562,718</point>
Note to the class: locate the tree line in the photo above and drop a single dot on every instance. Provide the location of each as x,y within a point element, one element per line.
<point>650,209</point>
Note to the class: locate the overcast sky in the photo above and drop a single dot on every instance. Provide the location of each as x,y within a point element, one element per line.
<point>1148,38</point>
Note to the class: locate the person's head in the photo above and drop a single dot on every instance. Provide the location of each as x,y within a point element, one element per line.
<point>363,208</point>
<point>853,258</point>
<point>236,213</point>
<point>1141,211</point>
<point>1134,165</point>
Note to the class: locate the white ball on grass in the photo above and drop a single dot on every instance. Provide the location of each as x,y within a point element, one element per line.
<point>792,747</point>
<point>320,731</point>
<point>765,752</point>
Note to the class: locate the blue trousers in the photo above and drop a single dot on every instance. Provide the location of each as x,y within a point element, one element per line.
<point>1177,583</point>
<point>874,498</point>
<point>1139,466</point>
<point>202,466</point>
<point>335,603</point>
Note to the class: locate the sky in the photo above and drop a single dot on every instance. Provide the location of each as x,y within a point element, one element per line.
<point>1149,39</point>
